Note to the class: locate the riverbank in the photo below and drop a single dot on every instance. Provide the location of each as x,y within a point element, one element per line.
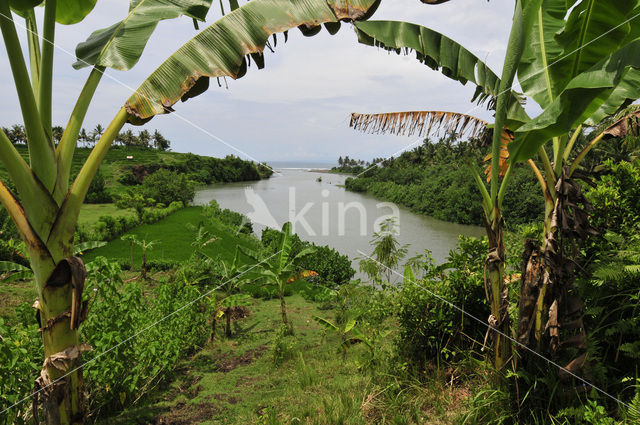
<point>326,214</point>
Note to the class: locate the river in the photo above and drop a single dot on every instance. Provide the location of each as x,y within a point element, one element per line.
<point>325,213</point>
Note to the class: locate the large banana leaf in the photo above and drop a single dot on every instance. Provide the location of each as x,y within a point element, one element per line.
<point>583,97</point>
<point>440,53</point>
<point>284,246</point>
<point>540,51</point>
<point>220,49</point>
<point>625,93</point>
<point>120,45</point>
<point>594,30</point>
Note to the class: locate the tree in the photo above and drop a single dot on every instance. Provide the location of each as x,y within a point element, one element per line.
<point>83,137</point>
<point>46,206</point>
<point>159,142</point>
<point>281,268</point>
<point>96,134</point>
<point>168,186</point>
<point>576,62</point>
<point>145,245</point>
<point>17,134</point>
<point>56,133</point>
<point>143,139</point>
<point>137,201</point>
<point>387,252</point>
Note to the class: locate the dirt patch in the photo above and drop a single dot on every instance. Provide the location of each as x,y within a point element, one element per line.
<point>229,362</point>
<point>246,381</point>
<point>239,312</point>
<point>226,398</point>
<point>187,414</point>
<point>187,387</point>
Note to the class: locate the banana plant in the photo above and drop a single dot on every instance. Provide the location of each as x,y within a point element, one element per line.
<point>46,204</point>
<point>281,269</point>
<point>232,281</point>
<point>576,62</point>
<point>347,337</point>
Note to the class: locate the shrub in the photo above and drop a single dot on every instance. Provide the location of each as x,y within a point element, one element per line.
<point>20,361</point>
<point>128,179</point>
<point>333,268</point>
<point>97,193</point>
<point>119,311</point>
<point>431,329</point>
<point>168,186</point>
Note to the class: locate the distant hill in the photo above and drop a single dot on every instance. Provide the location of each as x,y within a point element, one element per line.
<point>127,166</point>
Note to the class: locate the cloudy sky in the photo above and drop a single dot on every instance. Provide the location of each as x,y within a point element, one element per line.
<point>297,108</point>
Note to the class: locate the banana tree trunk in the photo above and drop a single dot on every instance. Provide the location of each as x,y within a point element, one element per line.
<point>285,319</point>
<point>497,292</point>
<point>59,388</point>
<point>144,264</point>
<point>228,327</point>
<point>555,321</point>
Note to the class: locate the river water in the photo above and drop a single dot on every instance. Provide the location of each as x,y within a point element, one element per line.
<point>325,213</point>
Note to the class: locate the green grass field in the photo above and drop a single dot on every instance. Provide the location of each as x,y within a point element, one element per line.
<point>236,381</point>
<point>90,213</point>
<point>174,239</point>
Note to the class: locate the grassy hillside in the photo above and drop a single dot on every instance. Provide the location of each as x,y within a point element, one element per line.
<point>258,377</point>
<point>116,164</point>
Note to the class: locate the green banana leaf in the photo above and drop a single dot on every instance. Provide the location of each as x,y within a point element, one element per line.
<point>581,99</point>
<point>73,11</point>
<point>10,266</point>
<point>540,51</point>
<point>87,246</point>
<point>20,6</point>
<point>594,30</point>
<point>284,246</point>
<point>439,52</point>
<point>327,324</point>
<point>220,49</point>
<point>120,45</point>
<point>625,93</point>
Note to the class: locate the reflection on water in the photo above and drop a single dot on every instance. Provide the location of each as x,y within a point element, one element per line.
<point>326,214</point>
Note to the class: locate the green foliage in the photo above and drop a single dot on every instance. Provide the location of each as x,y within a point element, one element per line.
<point>166,186</point>
<point>333,268</point>
<point>120,312</point>
<point>109,227</point>
<point>208,170</point>
<point>434,179</point>
<point>175,237</point>
<point>136,201</point>
<point>590,413</point>
<point>230,218</point>
<point>284,346</point>
<point>387,253</point>
<point>20,359</point>
<point>98,193</point>
<point>432,329</point>
<point>616,197</point>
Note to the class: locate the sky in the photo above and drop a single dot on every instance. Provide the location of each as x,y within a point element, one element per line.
<point>297,108</point>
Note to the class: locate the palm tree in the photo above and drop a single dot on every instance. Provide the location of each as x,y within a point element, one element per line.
<point>47,206</point>
<point>576,80</point>
<point>281,269</point>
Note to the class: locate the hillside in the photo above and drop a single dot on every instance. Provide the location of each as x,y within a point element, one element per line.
<point>127,166</point>
<point>434,179</point>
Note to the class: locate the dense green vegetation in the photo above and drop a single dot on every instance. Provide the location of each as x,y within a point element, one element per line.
<point>118,173</point>
<point>434,179</point>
